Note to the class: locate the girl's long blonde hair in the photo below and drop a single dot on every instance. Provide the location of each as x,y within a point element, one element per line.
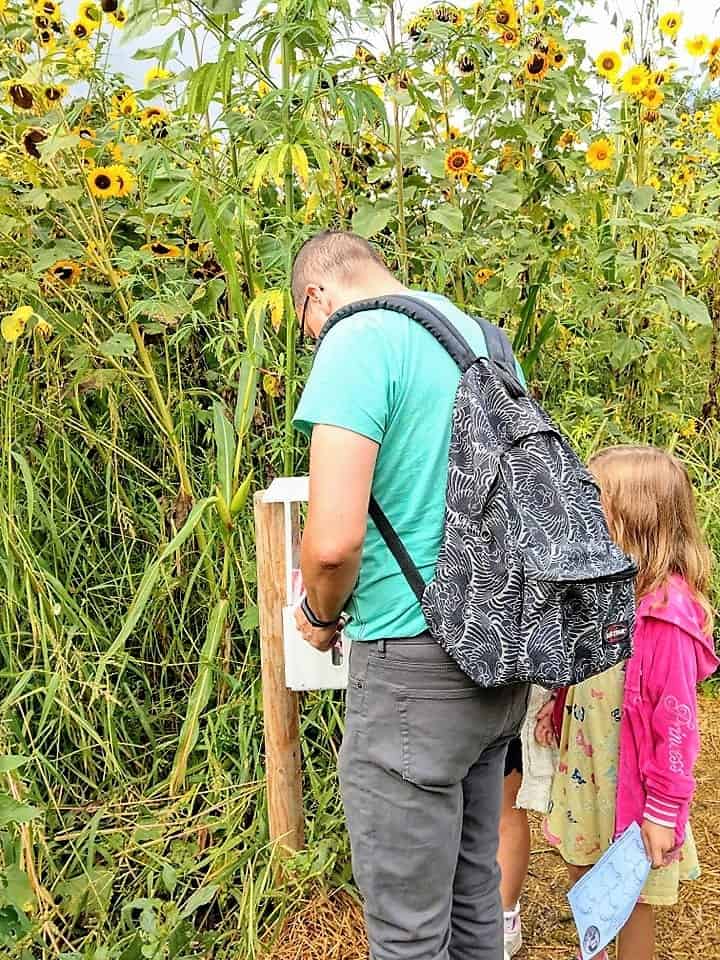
<point>650,506</point>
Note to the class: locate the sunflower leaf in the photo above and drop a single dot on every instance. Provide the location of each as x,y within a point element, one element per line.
<point>447,216</point>
<point>370,219</point>
<point>118,345</point>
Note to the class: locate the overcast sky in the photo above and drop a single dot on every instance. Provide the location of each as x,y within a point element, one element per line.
<point>700,16</point>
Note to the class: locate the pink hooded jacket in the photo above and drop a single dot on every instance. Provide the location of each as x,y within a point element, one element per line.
<point>659,737</point>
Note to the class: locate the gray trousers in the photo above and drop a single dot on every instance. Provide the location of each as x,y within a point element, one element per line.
<point>421,771</point>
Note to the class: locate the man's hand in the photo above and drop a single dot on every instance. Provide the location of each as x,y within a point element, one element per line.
<point>322,638</point>
<point>544,733</point>
<point>659,843</point>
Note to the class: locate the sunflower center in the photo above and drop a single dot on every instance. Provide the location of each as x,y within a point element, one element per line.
<point>52,93</point>
<point>608,63</point>
<point>503,18</point>
<point>160,248</point>
<point>80,31</point>
<point>103,181</point>
<point>64,273</point>
<point>601,153</point>
<point>536,65</point>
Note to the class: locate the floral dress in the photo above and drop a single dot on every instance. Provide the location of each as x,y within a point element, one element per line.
<point>581,817</point>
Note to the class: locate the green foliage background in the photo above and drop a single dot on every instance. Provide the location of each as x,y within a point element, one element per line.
<point>150,394</point>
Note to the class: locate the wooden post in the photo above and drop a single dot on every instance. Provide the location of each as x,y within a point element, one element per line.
<point>280,705</point>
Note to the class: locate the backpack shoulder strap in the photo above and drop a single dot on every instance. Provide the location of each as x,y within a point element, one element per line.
<point>498,344</point>
<point>429,317</point>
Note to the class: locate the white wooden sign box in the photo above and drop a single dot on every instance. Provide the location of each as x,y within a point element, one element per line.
<point>305,667</point>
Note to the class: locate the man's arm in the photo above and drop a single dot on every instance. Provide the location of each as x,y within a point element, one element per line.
<point>342,464</point>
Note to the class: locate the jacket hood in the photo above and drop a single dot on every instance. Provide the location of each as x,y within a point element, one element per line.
<point>674,603</point>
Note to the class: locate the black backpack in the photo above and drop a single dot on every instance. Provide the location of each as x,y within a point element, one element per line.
<point>529,586</point>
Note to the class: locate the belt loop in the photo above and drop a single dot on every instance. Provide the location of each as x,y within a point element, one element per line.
<point>381,648</point>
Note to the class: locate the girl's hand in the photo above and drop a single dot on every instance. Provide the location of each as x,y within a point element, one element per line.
<point>544,733</point>
<point>659,843</point>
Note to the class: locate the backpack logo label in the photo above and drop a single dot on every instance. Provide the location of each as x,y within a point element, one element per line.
<point>616,632</point>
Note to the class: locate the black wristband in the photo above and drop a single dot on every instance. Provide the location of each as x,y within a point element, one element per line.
<point>316,621</point>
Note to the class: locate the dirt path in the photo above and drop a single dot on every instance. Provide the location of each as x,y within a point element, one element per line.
<point>331,929</point>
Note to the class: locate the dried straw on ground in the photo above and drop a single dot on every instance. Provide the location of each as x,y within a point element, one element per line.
<point>329,927</point>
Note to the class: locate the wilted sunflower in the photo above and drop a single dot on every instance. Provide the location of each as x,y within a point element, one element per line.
<point>483,275</point>
<point>65,271</point>
<point>21,96</point>
<point>55,92</point>
<point>102,183</point>
<point>31,139</point>
<point>536,66</point>
<point>161,250</point>
<point>600,154</point>
<point>669,23</point>
<point>466,64</point>
<point>417,26</point>
<point>80,30</point>
<point>153,116</point>
<point>43,329</point>
<point>117,18</point>
<point>458,162</point>
<point>89,10</point>
<point>567,139</point>
<point>20,46</point>
<point>445,13</point>
<point>124,180</point>
<point>698,46</point>
<point>635,80</point>
<point>652,97</point>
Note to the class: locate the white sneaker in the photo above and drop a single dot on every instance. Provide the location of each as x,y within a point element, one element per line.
<point>513,932</point>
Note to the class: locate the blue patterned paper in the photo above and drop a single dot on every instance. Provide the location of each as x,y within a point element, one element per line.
<point>604,898</point>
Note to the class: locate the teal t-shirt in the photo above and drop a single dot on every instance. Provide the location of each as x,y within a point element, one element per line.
<point>380,374</point>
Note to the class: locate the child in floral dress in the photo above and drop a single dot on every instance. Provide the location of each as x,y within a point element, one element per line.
<point>629,737</point>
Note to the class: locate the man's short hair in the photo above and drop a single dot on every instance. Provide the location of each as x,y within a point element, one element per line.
<point>330,253</point>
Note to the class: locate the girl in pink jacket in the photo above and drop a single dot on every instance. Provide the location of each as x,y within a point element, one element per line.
<point>629,738</point>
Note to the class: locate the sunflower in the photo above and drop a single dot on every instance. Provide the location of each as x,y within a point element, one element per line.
<point>683,176</point>
<point>714,50</point>
<point>48,8</point>
<point>714,69</point>
<point>608,64</point>
<point>627,45</point>
<point>66,271</point>
<point>458,162</point>
<point>102,183</point>
<point>650,116</point>
<point>714,123</point>
<point>45,39</point>
<point>109,6</point>
<point>21,96</point>
<point>417,26</point>
<point>669,23</point>
<point>363,55</point>
<point>123,104</point>
<point>30,140</point>
<point>55,92</point>
<point>124,180</point>
<point>504,16</point>
<point>536,67</point>
<point>659,77</point>
<point>87,136</point>
<point>558,58</point>
<point>510,38</point>
<point>535,8</point>
<point>162,250</point>
<point>567,139</point>
<point>154,74</point>
<point>153,116</point>
<point>41,22</point>
<point>466,64</point>
<point>81,30</point>
<point>90,11</point>
<point>600,154</point>
<point>678,210</point>
<point>652,97</point>
<point>453,133</point>
<point>483,275</point>
<point>698,46</point>
<point>684,119</point>
<point>117,18</point>
<point>635,80</point>
<point>20,46</point>
<point>13,325</point>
